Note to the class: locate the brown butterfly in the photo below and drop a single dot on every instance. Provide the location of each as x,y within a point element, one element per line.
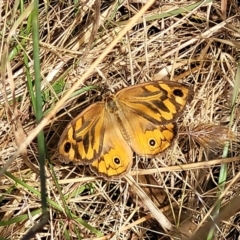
<point>139,118</point>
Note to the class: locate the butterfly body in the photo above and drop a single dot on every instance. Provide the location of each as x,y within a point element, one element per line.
<point>136,119</point>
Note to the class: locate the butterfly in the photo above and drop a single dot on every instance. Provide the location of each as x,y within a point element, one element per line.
<point>139,118</point>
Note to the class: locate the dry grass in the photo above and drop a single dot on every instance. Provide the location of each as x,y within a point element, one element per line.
<point>176,41</point>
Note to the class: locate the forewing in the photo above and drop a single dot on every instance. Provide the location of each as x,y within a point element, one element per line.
<point>82,140</point>
<point>159,102</point>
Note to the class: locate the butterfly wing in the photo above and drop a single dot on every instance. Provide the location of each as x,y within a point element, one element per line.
<point>146,138</point>
<point>82,140</point>
<point>159,102</point>
<point>148,112</point>
<point>116,157</point>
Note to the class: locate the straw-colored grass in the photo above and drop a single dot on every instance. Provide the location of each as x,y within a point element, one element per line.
<point>191,183</point>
